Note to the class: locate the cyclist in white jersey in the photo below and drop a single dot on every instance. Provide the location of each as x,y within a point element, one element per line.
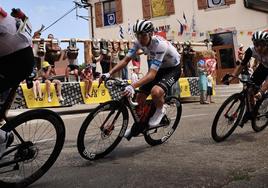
<point>164,69</point>
<point>16,55</point>
<point>259,50</point>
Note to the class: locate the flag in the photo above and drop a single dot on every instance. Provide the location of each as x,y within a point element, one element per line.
<point>121,32</point>
<point>184,17</point>
<point>193,34</point>
<point>185,25</point>
<point>129,30</point>
<point>181,28</point>
<point>250,33</point>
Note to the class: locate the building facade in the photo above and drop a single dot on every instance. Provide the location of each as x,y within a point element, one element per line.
<point>227,23</point>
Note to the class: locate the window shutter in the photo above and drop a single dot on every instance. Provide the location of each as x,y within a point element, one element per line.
<point>229,2</point>
<point>170,7</point>
<point>202,4</point>
<point>146,8</point>
<point>119,12</point>
<point>98,14</point>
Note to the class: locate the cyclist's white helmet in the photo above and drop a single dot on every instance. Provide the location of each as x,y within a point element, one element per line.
<point>143,26</point>
<point>260,36</point>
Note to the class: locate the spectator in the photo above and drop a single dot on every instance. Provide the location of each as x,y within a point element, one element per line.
<point>115,57</point>
<point>53,52</point>
<point>187,59</point>
<point>209,89</point>
<point>211,72</point>
<point>240,54</point>
<point>134,74</point>
<point>72,53</point>
<point>202,73</point>
<point>87,77</point>
<point>36,86</point>
<point>105,57</point>
<point>46,77</point>
<point>72,68</point>
<point>136,61</point>
<point>122,53</point>
<point>36,51</point>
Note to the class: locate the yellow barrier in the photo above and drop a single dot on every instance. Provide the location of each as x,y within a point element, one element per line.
<point>188,88</point>
<point>39,103</point>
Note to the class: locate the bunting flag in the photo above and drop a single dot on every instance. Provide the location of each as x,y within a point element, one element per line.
<point>184,17</point>
<point>185,22</point>
<point>129,29</point>
<point>181,28</point>
<point>121,32</point>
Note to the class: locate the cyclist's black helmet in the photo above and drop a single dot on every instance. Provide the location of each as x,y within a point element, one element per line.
<point>143,26</point>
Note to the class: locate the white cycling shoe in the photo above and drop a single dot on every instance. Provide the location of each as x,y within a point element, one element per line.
<point>157,117</point>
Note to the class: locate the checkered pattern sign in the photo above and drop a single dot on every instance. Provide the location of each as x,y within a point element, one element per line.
<point>116,91</point>
<point>71,93</point>
<point>194,89</point>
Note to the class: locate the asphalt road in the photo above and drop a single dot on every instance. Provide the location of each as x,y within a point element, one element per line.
<point>189,159</point>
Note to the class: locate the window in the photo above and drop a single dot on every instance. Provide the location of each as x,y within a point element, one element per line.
<point>108,13</point>
<point>156,8</point>
<point>205,4</point>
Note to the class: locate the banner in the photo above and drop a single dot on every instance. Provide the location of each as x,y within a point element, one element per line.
<point>31,102</point>
<point>98,95</point>
<point>159,8</point>
<point>184,88</point>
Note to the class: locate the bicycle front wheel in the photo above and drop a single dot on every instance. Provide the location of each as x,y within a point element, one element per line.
<point>170,122</point>
<point>39,137</point>
<point>227,117</point>
<point>260,120</point>
<point>102,130</point>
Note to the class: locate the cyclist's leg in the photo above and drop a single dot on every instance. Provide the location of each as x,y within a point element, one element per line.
<point>260,77</point>
<point>165,79</point>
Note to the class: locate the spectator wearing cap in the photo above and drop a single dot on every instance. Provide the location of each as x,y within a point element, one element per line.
<point>47,79</point>
<point>87,77</point>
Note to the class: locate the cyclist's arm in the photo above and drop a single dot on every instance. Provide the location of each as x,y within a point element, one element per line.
<point>245,61</point>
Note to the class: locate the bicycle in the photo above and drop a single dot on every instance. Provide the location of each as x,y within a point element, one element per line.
<point>38,138</point>
<point>105,126</point>
<point>236,112</point>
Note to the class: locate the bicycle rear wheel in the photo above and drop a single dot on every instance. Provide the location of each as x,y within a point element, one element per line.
<point>42,135</point>
<point>170,122</point>
<point>260,120</point>
<point>102,130</point>
<point>227,117</point>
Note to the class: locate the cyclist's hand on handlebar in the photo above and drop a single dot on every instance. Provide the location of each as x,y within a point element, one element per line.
<point>104,77</point>
<point>129,91</point>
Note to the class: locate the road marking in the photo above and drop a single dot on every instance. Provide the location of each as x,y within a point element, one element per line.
<point>194,115</point>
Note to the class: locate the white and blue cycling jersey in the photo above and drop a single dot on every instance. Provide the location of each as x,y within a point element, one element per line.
<point>162,53</point>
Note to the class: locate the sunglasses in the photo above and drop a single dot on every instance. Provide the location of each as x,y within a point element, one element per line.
<point>260,44</point>
<point>141,35</point>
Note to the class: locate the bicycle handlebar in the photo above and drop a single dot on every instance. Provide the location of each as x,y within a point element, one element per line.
<point>120,84</point>
<point>226,81</point>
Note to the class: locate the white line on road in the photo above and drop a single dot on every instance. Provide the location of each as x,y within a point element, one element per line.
<point>194,115</point>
